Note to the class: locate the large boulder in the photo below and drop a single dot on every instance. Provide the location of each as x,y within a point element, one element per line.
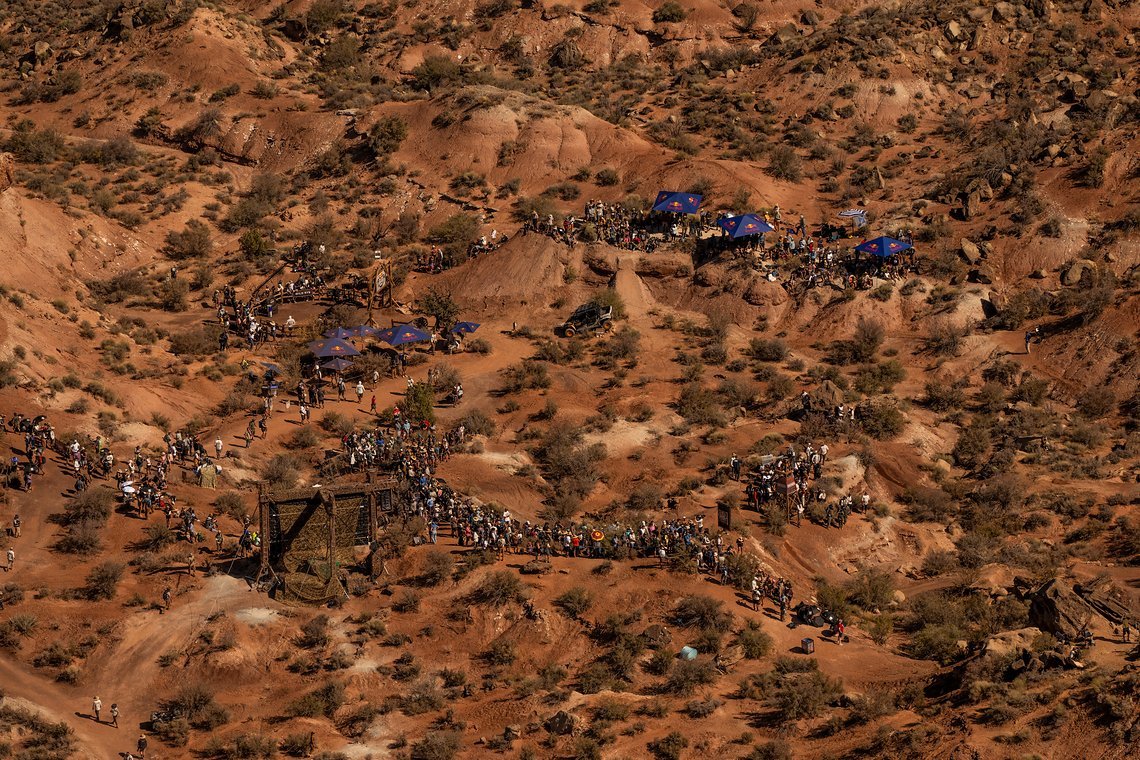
<point>7,171</point>
<point>1010,642</point>
<point>1055,608</point>
<point>561,723</point>
<point>537,567</point>
<point>970,251</point>
<point>1076,271</point>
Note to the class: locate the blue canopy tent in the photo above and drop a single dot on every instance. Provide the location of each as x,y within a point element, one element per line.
<point>465,327</point>
<point>744,225</point>
<point>362,331</point>
<point>338,333</point>
<point>883,246</point>
<point>677,203</point>
<point>324,349</point>
<point>398,335</point>
<point>337,365</point>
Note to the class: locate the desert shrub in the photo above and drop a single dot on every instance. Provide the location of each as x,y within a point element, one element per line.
<point>880,377</point>
<point>528,374</point>
<point>575,602</point>
<point>773,750</point>
<point>476,422</point>
<point>499,588</point>
<point>784,164</point>
<point>281,472</point>
<point>669,12</point>
<point>870,589</point>
<point>973,444</point>
<point>91,506</point>
<point>196,704</point>
<point>192,242</point>
<point>696,611</point>
<point>943,397</point>
<point>242,747</point>
<point>944,337</point>
<point>435,71</point>
<point>157,537</point>
<point>314,633</point>
<point>881,419</point>
<point>699,405</point>
<point>755,642</point>
<point>1096,402</point>
<point>500,653</point>
<point>939,562</point>
<point>687,675</point>
<point>801,695</point>
<point>438,565</point>
<point>103,581</point>
<point>436,745</point>
<point>668,747</point>
<point>323,701</point>
<point>407,600</point>
<point>765,350</point>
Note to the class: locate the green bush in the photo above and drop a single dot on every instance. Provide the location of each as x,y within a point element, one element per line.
<point>499,588</point>
<point>194,241</point>
<point>103,581</point>
<point>575,602</point>
<point>669,12</point>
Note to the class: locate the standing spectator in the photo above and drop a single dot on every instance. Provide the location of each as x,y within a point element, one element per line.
<point>97,708</point>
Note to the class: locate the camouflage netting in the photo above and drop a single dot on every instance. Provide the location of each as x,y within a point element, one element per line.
<point>304,549</point>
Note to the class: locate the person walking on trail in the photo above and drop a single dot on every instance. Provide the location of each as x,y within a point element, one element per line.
<point>11,560</point>
<point>165,598</point>
<point>218,445</point>
<point>1126,630</point>
<point>140,745</point>
<point>115,715</point>
<point>372,406</point>
<point>263,426</point>
<point>340,389</point>
<point>756,593</point>
<point>190,564</point>
<point>97,708</point>
<point>734,463</point>
<point>360,391</point>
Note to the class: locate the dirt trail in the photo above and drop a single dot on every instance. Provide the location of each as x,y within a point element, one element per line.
<point>633,291</point>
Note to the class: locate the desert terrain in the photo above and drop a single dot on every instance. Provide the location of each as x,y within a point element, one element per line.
<point>964,555</point>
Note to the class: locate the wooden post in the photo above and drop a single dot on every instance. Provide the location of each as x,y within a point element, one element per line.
<point>263,527</point>
<point>330,507</point>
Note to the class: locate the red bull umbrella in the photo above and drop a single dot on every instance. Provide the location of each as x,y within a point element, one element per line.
<point>677,203</point>
<point>744,225</point>
<point>883,246</point>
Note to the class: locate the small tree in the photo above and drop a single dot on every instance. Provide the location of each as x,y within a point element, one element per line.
<point>440,306</point>
<point>193,242</point>
<point>386,135</point>
<point>103,581</point>
<point>419,403</point>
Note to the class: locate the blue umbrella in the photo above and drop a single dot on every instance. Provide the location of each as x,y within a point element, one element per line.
<point>744,225</point>
<point>338,333</point>
<point>398,335</point>
<point>362,331</point>
<point>677,203</point>
<point>883,246</point>
<point>337,365</point>
<point>332,347</point>
<point>465,327</point>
